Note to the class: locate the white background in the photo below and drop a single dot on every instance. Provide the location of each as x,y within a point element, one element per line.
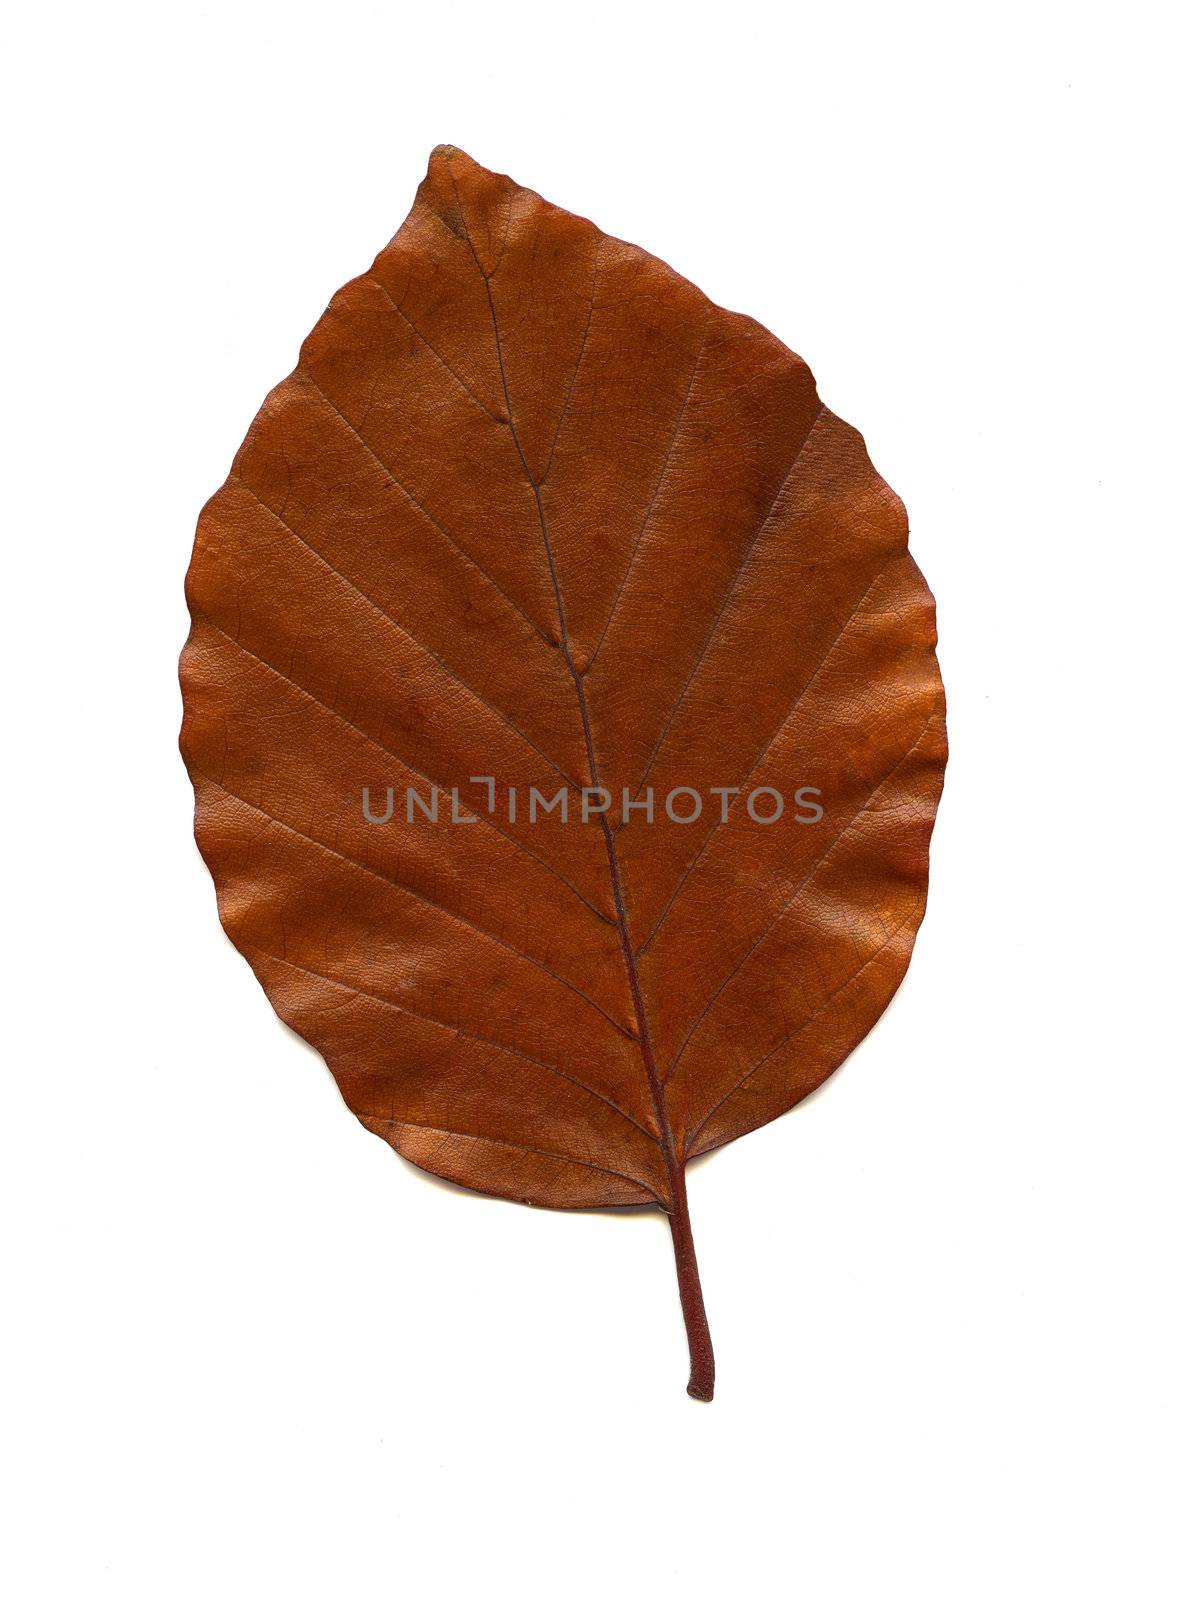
<point>249,1352</point>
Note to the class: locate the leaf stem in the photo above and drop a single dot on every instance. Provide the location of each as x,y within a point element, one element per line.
<point>701,1383</point>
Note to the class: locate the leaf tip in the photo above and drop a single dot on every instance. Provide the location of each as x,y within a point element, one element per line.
<point>444,155</point>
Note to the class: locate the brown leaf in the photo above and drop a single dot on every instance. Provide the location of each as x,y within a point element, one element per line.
<point>531,508</point>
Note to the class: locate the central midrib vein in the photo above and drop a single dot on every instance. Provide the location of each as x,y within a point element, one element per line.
<point>701,1384</point>
<point>657,1097</point>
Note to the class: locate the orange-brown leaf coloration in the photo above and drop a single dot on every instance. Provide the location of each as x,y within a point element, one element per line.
<point>532,509</point>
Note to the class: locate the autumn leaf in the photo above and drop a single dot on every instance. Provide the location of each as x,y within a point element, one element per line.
<point>533,518</point>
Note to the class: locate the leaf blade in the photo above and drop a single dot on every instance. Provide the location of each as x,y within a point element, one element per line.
<point>532,507</point>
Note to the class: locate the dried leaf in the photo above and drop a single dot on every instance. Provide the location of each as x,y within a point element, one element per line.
<point>532,509</point>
